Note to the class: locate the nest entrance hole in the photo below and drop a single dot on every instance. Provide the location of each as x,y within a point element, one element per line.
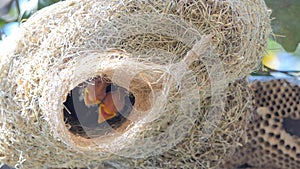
<point>82,108</point>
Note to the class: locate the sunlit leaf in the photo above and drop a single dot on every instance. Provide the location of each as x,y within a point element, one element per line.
<point>27,8</point>
<point>274,46</point>
<point>297,52</point>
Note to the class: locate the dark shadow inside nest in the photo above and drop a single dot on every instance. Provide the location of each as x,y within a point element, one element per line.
<point>82,120</point>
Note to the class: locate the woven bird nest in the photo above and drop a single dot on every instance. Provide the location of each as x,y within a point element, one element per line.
<point>181,64</point>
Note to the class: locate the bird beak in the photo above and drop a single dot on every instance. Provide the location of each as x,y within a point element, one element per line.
<point>105,113</point>
<point>89,97</point>
<point>111,105</point>
<point>95,92</point>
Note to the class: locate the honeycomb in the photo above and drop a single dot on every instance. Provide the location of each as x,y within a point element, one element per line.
<point>274,132</point>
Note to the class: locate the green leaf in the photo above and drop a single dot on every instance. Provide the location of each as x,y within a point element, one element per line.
<point>274,46</point>
<point>45,3</point>
<point>10,14</point>
<point>2,23</point>
<point>27,8</point>
<point>286,22</point>
<point>297,52</point>
<point>5,5</point>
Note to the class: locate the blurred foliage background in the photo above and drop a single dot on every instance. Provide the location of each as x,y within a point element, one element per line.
<point>286,22</point>
<point>282,57</point>
<point>13,12</point>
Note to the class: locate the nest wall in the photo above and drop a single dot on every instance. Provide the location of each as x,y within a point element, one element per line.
<point>179,58</point>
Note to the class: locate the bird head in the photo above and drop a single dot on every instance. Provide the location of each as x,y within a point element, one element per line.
<point>111,105</point>
<point>95,91</point>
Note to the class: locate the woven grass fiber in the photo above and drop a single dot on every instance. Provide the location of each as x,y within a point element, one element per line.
<point>184,61</point>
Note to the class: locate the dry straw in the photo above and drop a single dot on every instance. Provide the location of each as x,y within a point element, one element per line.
<point>184,62</point>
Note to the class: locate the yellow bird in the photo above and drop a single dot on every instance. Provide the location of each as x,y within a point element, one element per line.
<point>110,102</point>
<point>95,92</point>
<point>111,105</point>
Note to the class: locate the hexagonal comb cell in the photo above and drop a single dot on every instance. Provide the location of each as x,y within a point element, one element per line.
<point>274,137</point>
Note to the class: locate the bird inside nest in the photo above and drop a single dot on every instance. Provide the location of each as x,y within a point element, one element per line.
<point>97,106</point>
<point>110,98</point>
